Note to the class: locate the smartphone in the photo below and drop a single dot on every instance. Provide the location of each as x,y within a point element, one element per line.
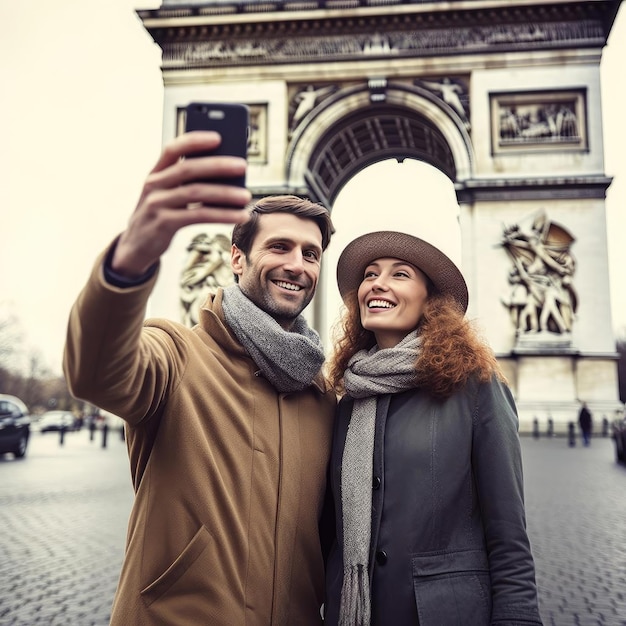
<point>231,121</point>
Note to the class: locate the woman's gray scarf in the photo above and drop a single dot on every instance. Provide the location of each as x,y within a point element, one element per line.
<point>369,374</point>
<point>290,360</point>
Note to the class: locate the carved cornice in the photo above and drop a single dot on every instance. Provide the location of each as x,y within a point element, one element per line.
<point>225,34</point>
<point>549,188</point>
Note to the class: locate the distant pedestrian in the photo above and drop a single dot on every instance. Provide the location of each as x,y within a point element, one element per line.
<point>585,421</point>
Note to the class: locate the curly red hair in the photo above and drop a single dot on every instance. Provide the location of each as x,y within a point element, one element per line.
<point>451,352</point>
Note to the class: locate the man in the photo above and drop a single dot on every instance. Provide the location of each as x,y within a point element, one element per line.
<point>585,421</point>
<point>228,424</point>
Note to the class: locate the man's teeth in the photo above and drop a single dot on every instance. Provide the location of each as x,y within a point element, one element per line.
<point>380,304</point>
<point>289,286</point>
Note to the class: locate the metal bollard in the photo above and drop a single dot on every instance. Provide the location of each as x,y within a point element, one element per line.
<point>61,435</point>
<point>105,432</point>
<point>571,434</point>
<point>536,428</point>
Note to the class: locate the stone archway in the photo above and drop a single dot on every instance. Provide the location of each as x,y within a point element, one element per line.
<point>348,132</point>
<point>371,135</point>
<point>503,97</point>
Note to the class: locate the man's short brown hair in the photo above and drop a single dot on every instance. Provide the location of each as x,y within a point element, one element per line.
<point>244,234</point>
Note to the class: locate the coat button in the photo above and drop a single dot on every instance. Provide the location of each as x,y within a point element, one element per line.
<point>381,557</point>
<point>376,482</point>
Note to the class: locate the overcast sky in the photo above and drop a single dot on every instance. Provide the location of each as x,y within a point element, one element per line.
<point>82,112</point>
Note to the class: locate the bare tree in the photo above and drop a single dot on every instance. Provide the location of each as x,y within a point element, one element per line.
<point>10,337</point>
<point>34,384</point>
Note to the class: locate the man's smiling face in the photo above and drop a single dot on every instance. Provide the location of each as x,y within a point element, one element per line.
<point>281,272</point>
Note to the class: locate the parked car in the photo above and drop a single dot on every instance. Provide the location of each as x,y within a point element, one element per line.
<point>56,420</point>
<point>14,426</point>
<point>619,437</point>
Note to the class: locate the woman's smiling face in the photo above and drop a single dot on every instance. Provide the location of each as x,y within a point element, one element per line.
<point>391,298</point>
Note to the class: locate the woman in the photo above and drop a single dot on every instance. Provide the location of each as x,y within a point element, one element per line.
<point>426,464</point>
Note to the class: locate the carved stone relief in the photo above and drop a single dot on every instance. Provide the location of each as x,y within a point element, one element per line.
<point>257,141</point>
<point>538,121</point>
<point>304,100</point>
<point>453,92</point>
<point>206,268</point>
<point>393,43</point>
<point>542,299</point>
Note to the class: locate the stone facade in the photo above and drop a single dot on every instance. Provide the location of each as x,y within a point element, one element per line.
<point>502,97</point>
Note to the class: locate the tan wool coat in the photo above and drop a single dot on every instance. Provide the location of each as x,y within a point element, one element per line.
<point>229,475</point>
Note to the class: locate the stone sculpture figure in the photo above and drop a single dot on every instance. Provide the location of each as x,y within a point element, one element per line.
<point>451,93</point>
<point>305,100</point>
<point>542,297</point>
<point>207,267</point>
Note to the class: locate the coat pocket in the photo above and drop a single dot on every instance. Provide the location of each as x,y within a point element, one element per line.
<point>452,588</point>
<point>179,568</point>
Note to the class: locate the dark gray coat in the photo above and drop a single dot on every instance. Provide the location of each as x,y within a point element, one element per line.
<point>449,544</point>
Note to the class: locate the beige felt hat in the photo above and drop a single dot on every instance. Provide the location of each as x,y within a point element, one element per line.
<point>359,253</point>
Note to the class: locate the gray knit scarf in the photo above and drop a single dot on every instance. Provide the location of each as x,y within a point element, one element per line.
<point>290,360</point>
<point>369,374</point>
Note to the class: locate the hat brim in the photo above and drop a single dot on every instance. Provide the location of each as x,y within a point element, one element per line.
<point>359,253</point>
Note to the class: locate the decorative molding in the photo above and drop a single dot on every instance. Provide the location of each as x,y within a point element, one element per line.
<point>394,44</point>
<point>208,35</point>
<point>548,188</point>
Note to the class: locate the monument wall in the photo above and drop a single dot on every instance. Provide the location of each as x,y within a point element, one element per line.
<point>502,97</point>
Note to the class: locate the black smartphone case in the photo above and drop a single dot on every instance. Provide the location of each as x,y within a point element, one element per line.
<point>231,121</point>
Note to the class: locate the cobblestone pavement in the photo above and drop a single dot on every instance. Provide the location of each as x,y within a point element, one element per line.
<point>576,512</point>
<point>63,514</point>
